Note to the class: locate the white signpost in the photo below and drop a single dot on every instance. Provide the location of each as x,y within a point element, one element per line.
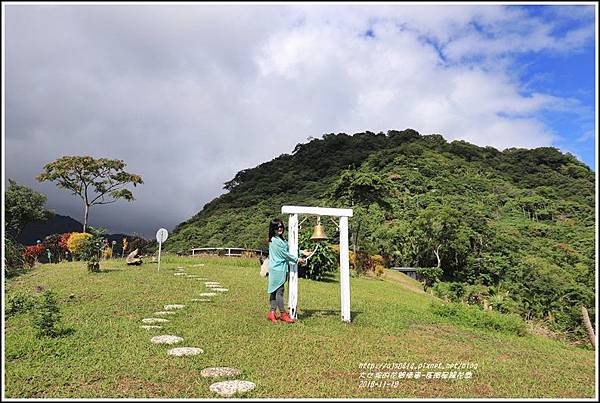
<point>343,214</point>
<point>161,236</point>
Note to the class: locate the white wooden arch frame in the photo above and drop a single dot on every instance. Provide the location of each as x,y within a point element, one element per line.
<point>343,214</point>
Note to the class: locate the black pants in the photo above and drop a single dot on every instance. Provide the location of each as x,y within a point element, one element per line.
<point>276,299</point>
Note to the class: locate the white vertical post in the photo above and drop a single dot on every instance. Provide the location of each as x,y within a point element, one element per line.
<point>293,280</point>
<point>344,269</point>
<point>159,248</point>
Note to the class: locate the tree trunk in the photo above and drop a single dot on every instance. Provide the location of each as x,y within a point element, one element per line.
<point>437,255</point>
<point>588,326</point>
<point>85,217</point>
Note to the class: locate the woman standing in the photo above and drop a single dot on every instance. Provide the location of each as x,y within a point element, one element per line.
<point>279,259</point>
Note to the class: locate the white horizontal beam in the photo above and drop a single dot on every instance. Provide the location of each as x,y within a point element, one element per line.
<point>323,211</point>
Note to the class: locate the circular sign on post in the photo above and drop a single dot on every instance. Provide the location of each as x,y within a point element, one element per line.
<point>161,235</point>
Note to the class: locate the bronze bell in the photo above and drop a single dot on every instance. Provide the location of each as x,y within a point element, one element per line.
<point>318,232</point>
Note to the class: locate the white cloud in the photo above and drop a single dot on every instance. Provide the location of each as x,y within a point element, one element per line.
<point>189,95</point>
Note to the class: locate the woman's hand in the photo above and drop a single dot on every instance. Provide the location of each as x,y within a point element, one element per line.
<point>301,261</point>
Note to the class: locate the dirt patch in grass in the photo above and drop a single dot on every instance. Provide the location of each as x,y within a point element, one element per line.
<point>138,387</point>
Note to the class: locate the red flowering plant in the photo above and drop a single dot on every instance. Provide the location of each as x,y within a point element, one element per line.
<point>32,252</point>
<point>62,242</point>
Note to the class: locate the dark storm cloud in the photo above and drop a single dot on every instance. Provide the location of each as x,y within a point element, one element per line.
<point>158,87</point>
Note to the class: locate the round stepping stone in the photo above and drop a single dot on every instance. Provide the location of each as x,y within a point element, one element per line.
<point>213,286</point>
<point>154,320</point>
<point>211,282</point>
<point>221,289</point>
<point>219,371</point>
<point>196,265</point>
<point>208,294</point>
<point>173,306</point>
<point>179,351</point>
<point>150,327</point>
<point>161,313</point>
<point>166,339</point>
<point>179,274</point>
<point>230,388</point>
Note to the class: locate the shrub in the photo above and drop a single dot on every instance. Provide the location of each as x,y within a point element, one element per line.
<point>323,262</point>
<point>76,244</point>
<point>64,239</point>
<point>32,253</point>
<point>142,245</point>
<point>91,248</point>
<point>13,257</point>
<point>19,302</point>
<point>475,317</point>
<point>502,302</point>
<point>361,262</point>
<point>430,276</point>
<point>378,264</point>
<point>377,260</point>
<point>47,316</point>
<point>476,294</point>
<point>56,246</point>
<point>107,253</point>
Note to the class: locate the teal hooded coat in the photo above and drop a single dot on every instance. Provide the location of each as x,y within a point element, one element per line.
<point>279,259</point>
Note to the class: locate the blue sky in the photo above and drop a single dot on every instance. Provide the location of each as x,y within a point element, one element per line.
<point>568,75</point>
<point>187,99</point>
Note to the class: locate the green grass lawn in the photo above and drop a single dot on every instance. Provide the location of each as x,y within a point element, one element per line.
<point>108,355</point>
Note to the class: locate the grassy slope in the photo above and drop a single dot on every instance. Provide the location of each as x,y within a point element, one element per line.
<point>109,355</point>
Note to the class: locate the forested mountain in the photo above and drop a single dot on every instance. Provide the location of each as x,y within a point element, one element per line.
<point>513,227</point>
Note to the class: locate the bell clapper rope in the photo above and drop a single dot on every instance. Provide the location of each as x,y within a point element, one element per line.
<point>313,252</point>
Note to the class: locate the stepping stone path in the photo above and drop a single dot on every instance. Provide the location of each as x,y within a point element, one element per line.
<point>219,371</point>
<point>230,388</point>
<point>166,339</point>
<point>154,320</point>
<point>179,351</point>
<point>150,327</point>
<point>225,388</point>
<point>173,306</point>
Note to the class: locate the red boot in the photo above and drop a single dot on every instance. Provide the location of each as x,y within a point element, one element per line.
<point>271,316</point>
<point>286,318</point>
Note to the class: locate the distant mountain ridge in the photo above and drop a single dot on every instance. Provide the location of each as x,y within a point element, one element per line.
<point>58,224</point>
<point>38,230</point>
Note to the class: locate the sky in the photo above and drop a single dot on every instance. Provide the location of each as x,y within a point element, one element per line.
<point>189,94</point>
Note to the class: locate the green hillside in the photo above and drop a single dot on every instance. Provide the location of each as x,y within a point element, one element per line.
<point>512,229</point>
<point>106,354</point>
